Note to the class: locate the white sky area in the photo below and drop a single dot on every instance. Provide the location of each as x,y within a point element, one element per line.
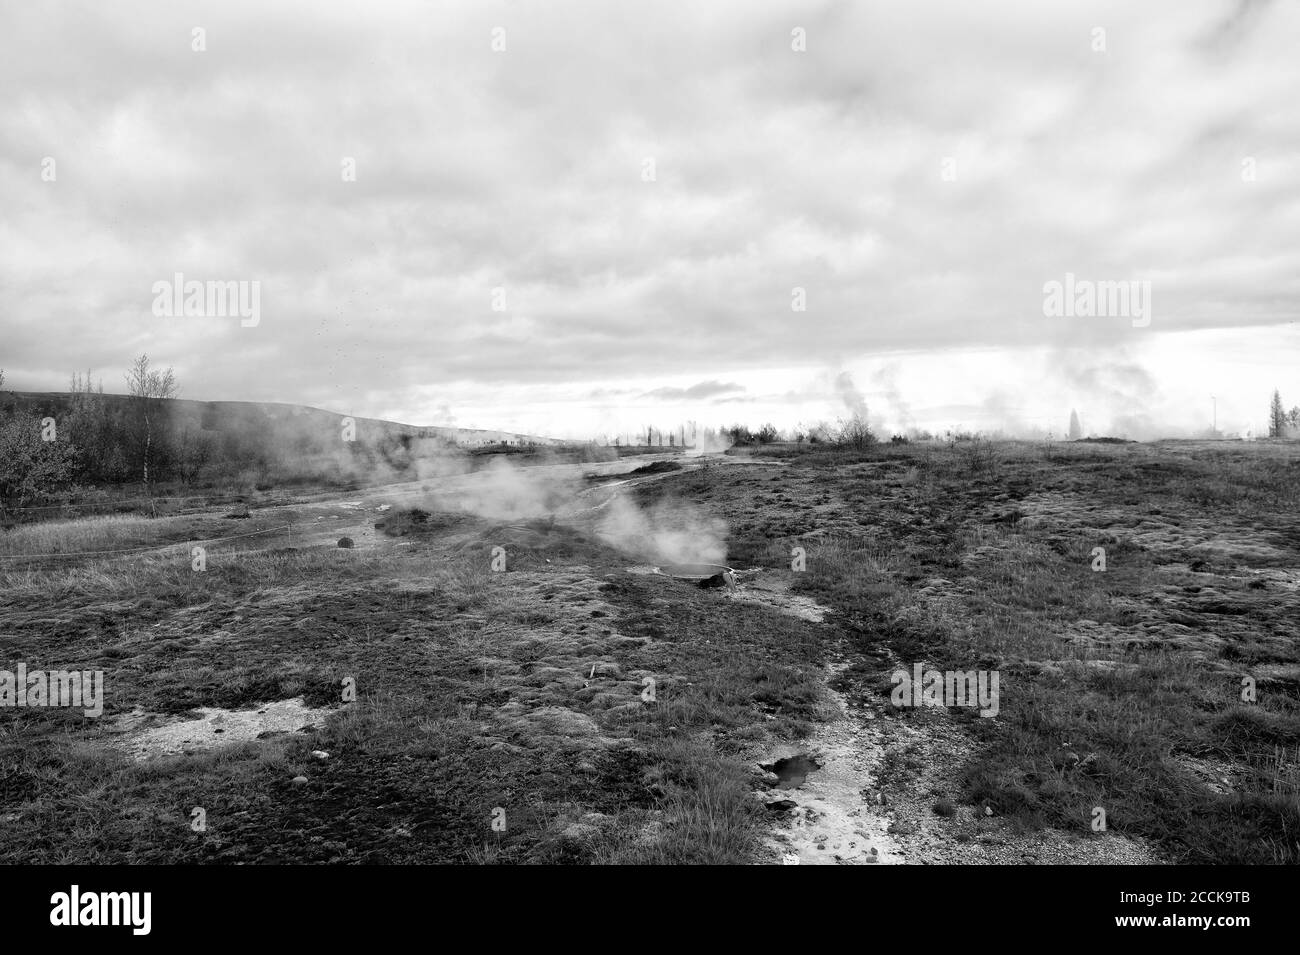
<point>921,171</point>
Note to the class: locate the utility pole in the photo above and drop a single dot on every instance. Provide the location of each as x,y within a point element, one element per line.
<point>1216,415</point>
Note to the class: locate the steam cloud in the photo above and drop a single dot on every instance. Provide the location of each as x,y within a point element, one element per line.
<point>849,394</point>
<point>668,532</point>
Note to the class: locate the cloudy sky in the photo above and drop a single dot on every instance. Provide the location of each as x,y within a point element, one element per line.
<point>573,218</point>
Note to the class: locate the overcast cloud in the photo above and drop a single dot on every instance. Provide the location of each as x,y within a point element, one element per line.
<point>920,172</point>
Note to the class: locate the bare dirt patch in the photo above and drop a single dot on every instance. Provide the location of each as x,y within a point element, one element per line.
<point>149,735</point>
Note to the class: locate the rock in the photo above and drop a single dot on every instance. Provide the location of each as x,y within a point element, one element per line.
<point>299,780</point>
<point>345,542</point>
<point>580,832</point>
<point>320,754</point>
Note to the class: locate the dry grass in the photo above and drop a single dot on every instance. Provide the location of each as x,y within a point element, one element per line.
<point>477,690</point>
<point>522,690</point>
<point>972,582</point>
<point>78,534</point>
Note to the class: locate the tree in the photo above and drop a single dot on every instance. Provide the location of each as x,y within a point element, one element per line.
<point>192,453</point>
<point>98,431</point>
<point>740,434</point>
<point>1276,417</point>
<point>1293,419</point>
<point>1076,432</point>
<point>148,389</point>
<point>31,465</point>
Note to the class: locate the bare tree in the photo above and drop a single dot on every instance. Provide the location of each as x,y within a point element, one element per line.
<point>98,432</point>
<point>856,433</point>
<point>147,388</point>
<point>193,450</point>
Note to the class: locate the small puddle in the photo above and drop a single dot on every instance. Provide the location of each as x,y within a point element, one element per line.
<point>793,770</point>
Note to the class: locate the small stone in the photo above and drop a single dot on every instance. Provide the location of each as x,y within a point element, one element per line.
<point>299,780</point>
<point>345,542</point>
<point>320,754</point>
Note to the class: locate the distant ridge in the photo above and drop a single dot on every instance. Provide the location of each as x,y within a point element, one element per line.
<point>224,416</point>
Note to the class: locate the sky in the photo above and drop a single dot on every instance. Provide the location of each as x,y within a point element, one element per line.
<point>579,219</point>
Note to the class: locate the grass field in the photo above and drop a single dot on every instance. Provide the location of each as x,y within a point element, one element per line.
<point>566,710</point>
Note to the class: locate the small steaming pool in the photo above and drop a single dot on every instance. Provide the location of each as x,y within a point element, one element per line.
<point>694,572</point>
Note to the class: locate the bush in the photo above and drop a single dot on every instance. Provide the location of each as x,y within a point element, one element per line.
<point>740,434</point>
<point>856,433</point>
<point>30,466</point>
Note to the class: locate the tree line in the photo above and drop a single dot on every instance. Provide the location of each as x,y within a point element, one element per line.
<point>93,440</point>
<point>1281,423</point>
<point>88,439</point>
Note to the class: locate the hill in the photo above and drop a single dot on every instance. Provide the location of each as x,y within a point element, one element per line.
<point>287,420</point>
